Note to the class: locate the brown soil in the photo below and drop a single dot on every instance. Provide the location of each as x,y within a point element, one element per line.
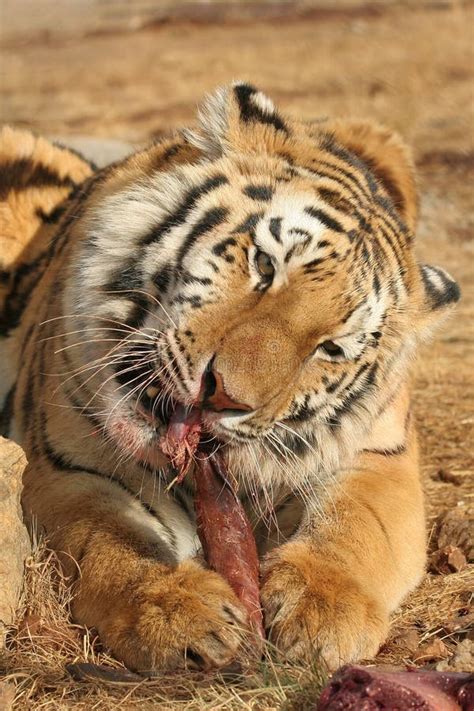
<point>407,64</point>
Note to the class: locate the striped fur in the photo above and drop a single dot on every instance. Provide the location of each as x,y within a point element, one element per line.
<point>147,272</point>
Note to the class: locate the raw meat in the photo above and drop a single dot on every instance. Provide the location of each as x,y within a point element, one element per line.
<point>372,689</point>
<point>226,536</point>
<point>181,439</point>
<point>223,528</point>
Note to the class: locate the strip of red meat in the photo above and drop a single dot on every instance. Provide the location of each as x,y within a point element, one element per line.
<point>222,525</point>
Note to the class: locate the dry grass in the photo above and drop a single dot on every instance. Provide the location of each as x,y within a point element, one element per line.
<point>45,640</point>
<point>384,65</point>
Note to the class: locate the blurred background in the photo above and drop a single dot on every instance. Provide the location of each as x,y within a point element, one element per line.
<point>134,68</point>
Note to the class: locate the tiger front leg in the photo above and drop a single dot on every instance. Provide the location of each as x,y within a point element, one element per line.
<point>330,590</point>
<point>152,611</point>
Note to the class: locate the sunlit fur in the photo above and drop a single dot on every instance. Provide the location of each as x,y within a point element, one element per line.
<point>144,276</point>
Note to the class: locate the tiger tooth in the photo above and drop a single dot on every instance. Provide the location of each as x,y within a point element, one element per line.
<point>151,391</point>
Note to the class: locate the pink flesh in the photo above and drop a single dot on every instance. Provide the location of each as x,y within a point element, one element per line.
<point>373,689</point>
<point>182,438</point>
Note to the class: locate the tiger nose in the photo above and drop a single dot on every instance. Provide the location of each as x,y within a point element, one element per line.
<point>213,395</point>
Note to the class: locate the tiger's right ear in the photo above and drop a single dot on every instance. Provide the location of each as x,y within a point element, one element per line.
<point>238,118</point>
<point>440,292</point>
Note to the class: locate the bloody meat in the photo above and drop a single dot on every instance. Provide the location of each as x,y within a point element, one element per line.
<point>374,689</point>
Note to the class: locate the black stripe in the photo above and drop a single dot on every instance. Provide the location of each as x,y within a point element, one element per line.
<point>305,233</point>
<point>310,266</point>
<point>354,395</point>
<point>137,316</point>
<point>387,204</point>
<point>258,192</point>
<point>251,112</point>
<point>181,214</point>
<point>303,412</point>
<point>275,228</point>
<point>188,278</point>
<point>28,275</point>
<point>332,387</point>
<point>392,241</point>
<point>341,175</point>
<point>249,224</point>
<point>125,279</point>
<point>195,300</point>
<point>23,174</point>
<point>162,279</point>
<point>330,222</point>
<point>211,219</point>
<point>221,247</point>
<point>351,159</point>
<point>50,218</point>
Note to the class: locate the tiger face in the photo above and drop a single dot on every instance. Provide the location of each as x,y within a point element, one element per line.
<point>261,270</point>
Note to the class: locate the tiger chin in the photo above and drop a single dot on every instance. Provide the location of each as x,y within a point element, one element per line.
<point>262,268</point>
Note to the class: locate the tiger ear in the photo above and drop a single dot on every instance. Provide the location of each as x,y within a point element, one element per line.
<point>237,118</point>
<point>388,158</point>
<point>439,293</point>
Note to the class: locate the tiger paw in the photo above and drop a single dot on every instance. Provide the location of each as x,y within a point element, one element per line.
<point>188,616</point>
<point>313,610</point>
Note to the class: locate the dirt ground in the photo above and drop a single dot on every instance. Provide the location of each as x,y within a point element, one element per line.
<point>407,64</point>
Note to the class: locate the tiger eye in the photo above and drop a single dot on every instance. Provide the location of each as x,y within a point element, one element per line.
<point>331,348</point>
<point>264,265</point>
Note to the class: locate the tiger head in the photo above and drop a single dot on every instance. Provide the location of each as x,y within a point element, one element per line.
<point>261,269</point>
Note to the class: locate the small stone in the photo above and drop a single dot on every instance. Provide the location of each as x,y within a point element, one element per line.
<point>431,651</point>
<point>449,559</point>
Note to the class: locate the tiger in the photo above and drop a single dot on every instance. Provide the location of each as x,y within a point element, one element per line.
<point>262,269</point>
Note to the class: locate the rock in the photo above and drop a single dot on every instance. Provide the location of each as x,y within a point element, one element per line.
<point>462,659</point>
<point>449,559</point>
<point>456,528</point>
<point>14,539</point>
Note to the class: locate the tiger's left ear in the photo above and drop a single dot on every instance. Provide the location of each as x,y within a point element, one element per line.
<point>388,158</point>
<point>439,293</point>
<point>238,118</point>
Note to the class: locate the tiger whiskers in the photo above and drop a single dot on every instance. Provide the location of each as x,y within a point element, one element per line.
<point>148,296</point>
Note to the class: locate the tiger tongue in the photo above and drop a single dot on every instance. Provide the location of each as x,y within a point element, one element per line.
<point>182,438</point>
